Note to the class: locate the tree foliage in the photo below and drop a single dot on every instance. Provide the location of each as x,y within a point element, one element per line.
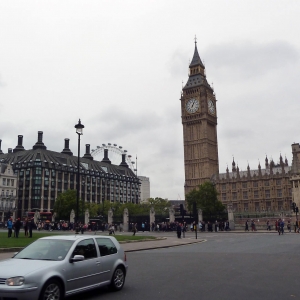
<point>66,201</point>
<point>206,198</point>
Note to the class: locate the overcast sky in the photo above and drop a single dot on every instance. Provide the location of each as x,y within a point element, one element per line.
<point>119,66</point>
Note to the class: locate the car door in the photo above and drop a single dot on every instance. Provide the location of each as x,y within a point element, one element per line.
<point>83,274</point>
<point>108,256</point>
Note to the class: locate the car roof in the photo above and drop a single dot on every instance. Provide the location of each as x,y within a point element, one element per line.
<point>72,237</point>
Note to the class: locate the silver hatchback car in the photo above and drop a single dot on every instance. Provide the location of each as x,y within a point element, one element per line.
<point>58,266</point>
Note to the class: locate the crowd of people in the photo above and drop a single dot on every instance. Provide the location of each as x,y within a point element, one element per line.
<point>279,225</point>
<point>28,224</point>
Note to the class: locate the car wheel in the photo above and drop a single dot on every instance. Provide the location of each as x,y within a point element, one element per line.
<point>118,279</point>
<point>52,290</point>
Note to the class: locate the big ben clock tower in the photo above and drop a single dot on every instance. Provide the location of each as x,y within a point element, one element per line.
<point>199,120</point>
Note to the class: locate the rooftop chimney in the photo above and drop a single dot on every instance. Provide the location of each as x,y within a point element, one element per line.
<point>9,150</point>
<point>19,147</point>
<point>87,154</point>
<point>67,149</point>
<point>106,159</point>
<point>1,152</point>
<point>123,163</point>
<point>39,144</point>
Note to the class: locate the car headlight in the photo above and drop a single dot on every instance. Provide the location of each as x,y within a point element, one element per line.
<point>15,281</point>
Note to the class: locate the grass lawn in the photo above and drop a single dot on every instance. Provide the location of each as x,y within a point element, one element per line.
<point>23,241</point>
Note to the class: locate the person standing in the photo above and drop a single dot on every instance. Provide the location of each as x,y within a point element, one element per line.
<point>25,224</point>
<point>9,227</point>
<point>30,227</point>
<point>143,226</point>
<point>134,229</point>
<point>17,227</point>
<point>184,229</point>
<point>179,230</point>
<point>289,226</point>
<point>246,226</point>
<point>216,226</point>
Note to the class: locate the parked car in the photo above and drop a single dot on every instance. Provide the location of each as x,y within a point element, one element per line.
<point>57,266</point>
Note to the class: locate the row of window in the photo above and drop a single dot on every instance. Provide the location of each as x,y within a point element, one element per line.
<point>245,194</point>
<point>8,182</point>
<point>249,184</point>
<point>7,193</point>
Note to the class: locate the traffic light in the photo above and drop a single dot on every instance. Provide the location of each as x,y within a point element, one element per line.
<point>294,206</point>
<point>297,209</point>
<point>181,209</point>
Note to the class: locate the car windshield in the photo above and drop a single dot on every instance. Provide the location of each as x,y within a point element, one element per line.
<point>48,249</point>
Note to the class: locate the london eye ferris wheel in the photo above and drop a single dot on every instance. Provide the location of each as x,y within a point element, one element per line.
<point>115,155</point>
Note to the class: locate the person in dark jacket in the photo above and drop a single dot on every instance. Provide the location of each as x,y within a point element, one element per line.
<point>17,227</point>
<point>179,229</point>
<point>30,227</point>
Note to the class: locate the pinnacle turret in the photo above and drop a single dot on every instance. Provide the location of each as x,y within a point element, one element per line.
<point>196,61</point>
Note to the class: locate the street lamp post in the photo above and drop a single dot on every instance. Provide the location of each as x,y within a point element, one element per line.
<point>79,130</point>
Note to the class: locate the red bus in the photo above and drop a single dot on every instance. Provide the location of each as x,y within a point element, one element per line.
<point>44,216</point>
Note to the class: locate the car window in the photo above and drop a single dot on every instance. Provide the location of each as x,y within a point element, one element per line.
<point>86,248</point>
<point>46,249</point>
<point>106,246</point>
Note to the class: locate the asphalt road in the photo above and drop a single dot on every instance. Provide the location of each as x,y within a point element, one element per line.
<point>227,266</point>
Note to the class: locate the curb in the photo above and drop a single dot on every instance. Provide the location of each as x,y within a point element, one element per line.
<point>145,240</point>
<point>168,246</point>
<point>5,250</point>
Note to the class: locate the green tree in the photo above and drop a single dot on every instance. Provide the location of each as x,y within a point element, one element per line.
<point>206,198</point>
<point>160,205</point>
<point>64,203</point>
<point>67,201</point>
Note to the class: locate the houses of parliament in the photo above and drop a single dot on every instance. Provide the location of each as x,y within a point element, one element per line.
<point>267,188</point>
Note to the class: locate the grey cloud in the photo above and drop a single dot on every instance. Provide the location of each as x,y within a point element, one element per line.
<point>178,63</point>
<point>245,59</point>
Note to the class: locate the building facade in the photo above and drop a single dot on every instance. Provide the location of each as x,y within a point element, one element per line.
<point>145,187</point>
<point>199,121</point>
<point>43,174</point>
<point>265,189</point>
<point>8,188</point>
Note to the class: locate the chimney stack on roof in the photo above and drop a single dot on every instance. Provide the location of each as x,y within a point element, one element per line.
<point>39,144</point>
<point>105,158</point>
<point>67,148</point>
<point>123,163</point>
<point>9,150</point>
<point>1,152</point>
<point>87,154</point>
<point>19,147</point>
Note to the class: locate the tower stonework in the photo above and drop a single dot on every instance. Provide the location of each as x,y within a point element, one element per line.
<point>199,120</point>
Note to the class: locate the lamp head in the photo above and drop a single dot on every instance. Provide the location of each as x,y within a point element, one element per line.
<point>79,128</point>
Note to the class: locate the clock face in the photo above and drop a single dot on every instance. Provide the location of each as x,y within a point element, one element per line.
<point>211,107</point>
<point>192,105</point>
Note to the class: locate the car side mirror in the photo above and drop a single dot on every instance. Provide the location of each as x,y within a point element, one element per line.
<point>77,258</point>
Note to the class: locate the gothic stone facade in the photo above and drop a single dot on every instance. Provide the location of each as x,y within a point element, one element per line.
<point>261,190</point>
